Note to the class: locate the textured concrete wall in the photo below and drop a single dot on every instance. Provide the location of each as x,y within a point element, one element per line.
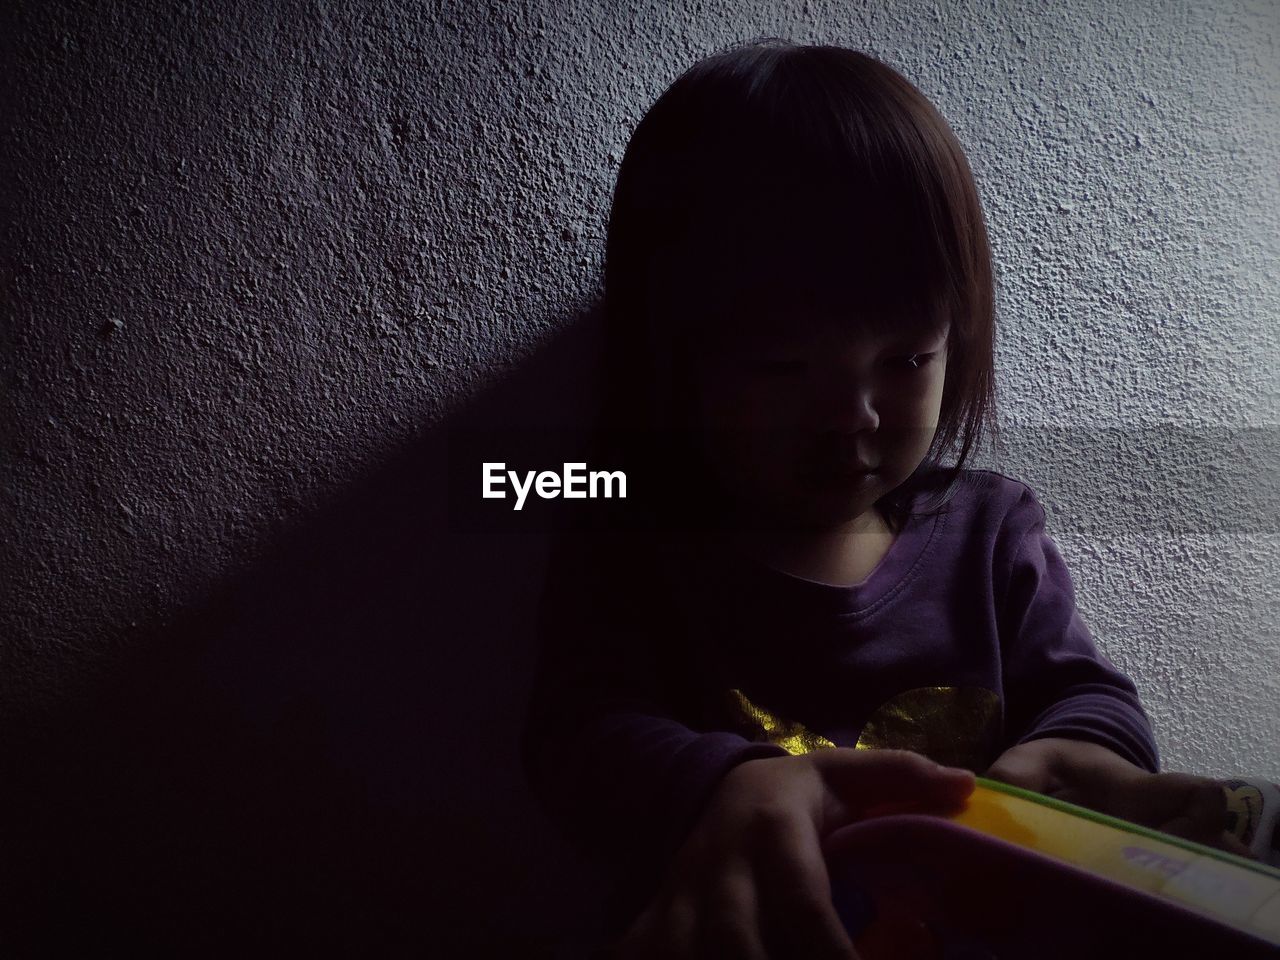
<point>264,257</point>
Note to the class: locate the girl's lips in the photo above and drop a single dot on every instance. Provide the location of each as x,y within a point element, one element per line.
<point>838,465</point>
<point>839,475</point>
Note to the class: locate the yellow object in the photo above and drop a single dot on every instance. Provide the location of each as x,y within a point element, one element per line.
<point>1227,888</point>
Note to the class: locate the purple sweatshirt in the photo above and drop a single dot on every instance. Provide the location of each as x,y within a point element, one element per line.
<point>664,667</point>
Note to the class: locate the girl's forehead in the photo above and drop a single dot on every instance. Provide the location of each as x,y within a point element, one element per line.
<point>795,314</point>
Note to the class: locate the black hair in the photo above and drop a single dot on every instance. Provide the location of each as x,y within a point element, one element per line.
<point>768,172</point>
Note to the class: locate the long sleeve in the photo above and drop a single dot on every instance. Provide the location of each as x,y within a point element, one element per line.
<point>1057,682</point>
<point>603,749</point>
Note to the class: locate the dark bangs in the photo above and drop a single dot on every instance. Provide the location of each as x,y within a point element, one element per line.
<point>774,186</point>
<point>786,265</point>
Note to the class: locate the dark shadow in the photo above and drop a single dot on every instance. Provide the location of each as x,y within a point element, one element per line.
<point>322,757</point>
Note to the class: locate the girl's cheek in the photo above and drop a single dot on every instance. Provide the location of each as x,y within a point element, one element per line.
<point>745,434</point>
<point>742,404</point>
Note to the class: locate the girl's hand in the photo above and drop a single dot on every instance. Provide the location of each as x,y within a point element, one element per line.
<point>1092,776</point>
<point>751,881</point>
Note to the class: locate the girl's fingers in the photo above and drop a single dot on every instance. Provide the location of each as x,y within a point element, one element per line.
<point>1188,829</point>
<point>797,913</point>
<point>1022,772</point>
<point>1159,798</point>
<point>1187,806</point>
<point>870,781</point>
<point>728,924</point>
<point>1230,843</point>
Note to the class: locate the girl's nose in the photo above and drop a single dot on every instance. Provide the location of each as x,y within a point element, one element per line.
<point>849,408</point>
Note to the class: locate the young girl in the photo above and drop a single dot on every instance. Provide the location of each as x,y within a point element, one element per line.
<point>800,616</point>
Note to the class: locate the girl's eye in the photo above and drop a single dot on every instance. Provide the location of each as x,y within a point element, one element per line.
<point>914,361</point>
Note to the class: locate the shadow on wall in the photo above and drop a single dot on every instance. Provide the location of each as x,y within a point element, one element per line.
<point>324,757</point>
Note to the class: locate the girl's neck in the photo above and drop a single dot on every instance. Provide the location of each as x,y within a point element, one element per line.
<point>843,555</point>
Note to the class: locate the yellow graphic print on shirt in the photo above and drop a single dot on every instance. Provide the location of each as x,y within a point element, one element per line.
<point>955,726</point>
<point>791,736</point>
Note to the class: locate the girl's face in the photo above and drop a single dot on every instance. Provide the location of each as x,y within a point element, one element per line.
<point>810,430</point>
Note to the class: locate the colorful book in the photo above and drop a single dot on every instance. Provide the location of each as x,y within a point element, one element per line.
<point>1017,874</point>
<point>1233,890</point>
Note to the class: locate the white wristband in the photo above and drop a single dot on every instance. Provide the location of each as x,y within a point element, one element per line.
<point>1253,812</point>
